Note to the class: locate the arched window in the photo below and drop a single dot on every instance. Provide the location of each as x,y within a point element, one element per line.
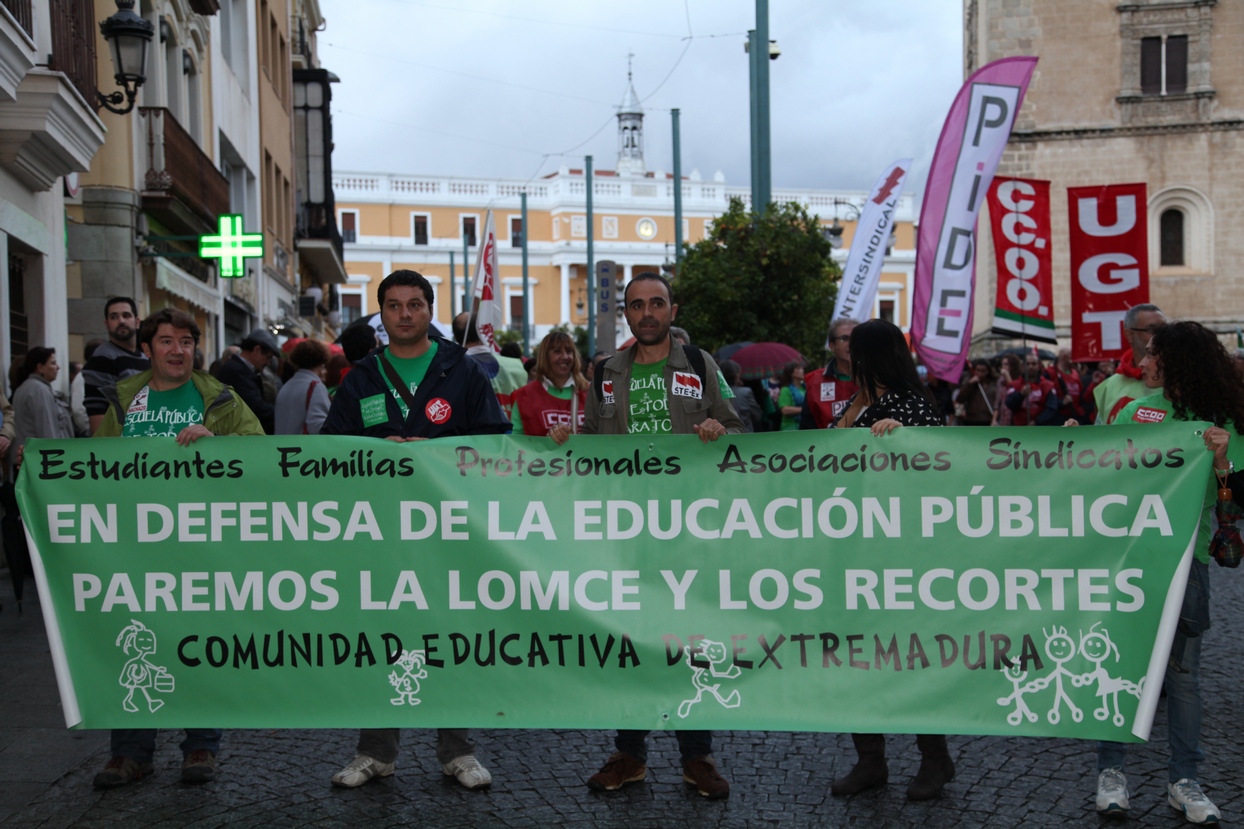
<point>1181,231</point>
<point>1171,228</point>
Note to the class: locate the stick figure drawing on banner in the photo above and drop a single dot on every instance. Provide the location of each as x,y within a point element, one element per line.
<point>1061,648</point>
<point>715,653</point>
<point>139,673</point>
<point>1017,674</point>
<point>1095,646</point>
<point>407,682</point>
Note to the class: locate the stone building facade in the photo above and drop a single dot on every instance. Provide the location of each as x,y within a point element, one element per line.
<point>1140,91</point>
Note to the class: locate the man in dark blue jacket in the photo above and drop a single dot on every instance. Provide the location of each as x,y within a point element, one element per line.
<point>416,388</point>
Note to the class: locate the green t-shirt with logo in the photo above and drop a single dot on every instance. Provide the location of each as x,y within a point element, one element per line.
<point>163,413</point>
<point>411,369</point>
<point>649,414</point>
<point>1157,409</point>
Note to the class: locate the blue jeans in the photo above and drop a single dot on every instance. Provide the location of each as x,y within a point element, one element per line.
<point>691,744</point>
<point>1183,687</point>
<point>138,744</point>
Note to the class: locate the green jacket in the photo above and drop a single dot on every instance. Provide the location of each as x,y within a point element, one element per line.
<point>224,413</point>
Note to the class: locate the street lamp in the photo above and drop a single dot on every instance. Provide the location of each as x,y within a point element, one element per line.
<point>833,233</point>
<point>128,36</point>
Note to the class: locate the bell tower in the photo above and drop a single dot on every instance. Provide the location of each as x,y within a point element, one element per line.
<point>630,129</point>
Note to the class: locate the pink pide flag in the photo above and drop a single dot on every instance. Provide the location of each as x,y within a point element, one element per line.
<point>967,154</point>
<point>486,287</point>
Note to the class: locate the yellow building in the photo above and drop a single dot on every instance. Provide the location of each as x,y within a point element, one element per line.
<point>431,224</point>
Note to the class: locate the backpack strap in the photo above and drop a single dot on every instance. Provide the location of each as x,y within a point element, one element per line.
<point>598,381</point>
<point>696,357</point>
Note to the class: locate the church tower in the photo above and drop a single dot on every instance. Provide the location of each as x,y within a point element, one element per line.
<point>630,130</point>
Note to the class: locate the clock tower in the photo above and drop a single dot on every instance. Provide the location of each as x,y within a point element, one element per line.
<point>630,130</point>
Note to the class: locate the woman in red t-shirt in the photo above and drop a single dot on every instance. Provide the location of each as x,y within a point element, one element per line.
<point>555,398</point>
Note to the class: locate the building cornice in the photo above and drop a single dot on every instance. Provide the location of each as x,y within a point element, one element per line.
<point>1075,134</point>
<point>565,192</point>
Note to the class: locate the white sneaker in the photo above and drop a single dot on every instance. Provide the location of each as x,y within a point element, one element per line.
<point>361,769</point>
<point>468,771</point>
<point>1112,793</point>
<point>1187,797</point>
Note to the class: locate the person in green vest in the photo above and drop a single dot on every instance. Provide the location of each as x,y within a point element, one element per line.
<point>1190,376</point>
<point>1125,385</point>
<point>170,400</point>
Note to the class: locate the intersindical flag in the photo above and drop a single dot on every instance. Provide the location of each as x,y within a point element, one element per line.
<point>858,290</point>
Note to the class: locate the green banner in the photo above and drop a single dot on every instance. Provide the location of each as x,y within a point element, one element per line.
<point>964,581</point>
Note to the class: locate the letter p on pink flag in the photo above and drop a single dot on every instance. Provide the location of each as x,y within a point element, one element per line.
<point>967,155</point>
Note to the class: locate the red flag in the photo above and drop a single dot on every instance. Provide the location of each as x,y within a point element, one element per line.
<point>1109,265</point>
<point>1019,214</point>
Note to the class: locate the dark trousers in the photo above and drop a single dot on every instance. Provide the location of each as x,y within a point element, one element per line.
<point>691,744</point>
<point>138,744</point>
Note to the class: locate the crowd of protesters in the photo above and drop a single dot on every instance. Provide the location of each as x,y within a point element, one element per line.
<point>870,380</point>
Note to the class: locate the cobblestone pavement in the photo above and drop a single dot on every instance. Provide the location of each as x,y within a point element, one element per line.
<point>281,778</point>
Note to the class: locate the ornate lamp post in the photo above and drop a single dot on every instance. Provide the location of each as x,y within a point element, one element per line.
<point>128,37</point>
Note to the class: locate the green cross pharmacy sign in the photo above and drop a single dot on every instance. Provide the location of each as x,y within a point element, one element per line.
<point>231,246</point>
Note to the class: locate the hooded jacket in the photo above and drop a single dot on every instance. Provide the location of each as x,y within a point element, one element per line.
<point>455,398</point>
<point>224,413</point>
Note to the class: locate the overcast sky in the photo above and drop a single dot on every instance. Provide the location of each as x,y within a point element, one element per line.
<point>514,90</point>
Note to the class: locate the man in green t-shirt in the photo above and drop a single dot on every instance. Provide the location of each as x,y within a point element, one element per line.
<point>419,387</point>
<point>170,399</point>
<point>653,388</point>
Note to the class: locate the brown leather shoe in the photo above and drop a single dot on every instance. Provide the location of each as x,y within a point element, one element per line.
<point>701,773</point>
<point>198,767</point>
<point>121,771</point>
<point>618,770</point>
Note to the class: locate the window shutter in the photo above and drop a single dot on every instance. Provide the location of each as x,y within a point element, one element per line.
<point>1176,64</point>
<point>1151,66</point>
<point>1171,225</point>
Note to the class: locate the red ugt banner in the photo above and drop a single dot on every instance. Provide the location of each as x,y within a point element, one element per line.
<point>1109,265</point>
<point>1019,214</point>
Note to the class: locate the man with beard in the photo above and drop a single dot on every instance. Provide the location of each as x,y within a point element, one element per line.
<point>658,386</point>
<point>115,360</point>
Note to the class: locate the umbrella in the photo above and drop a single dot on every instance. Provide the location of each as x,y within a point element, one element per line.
<point>761,360</point>
<point>726,352</point>
<point>1024,351</point>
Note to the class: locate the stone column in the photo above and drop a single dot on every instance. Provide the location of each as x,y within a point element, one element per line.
<point>103,247</point>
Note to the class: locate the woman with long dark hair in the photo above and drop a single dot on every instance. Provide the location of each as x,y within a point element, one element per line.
<point>890,395</point>
<point>1198,382</point>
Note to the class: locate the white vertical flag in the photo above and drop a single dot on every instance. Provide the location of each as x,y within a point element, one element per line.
<point>487,304</point>
<point>872,236</point>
